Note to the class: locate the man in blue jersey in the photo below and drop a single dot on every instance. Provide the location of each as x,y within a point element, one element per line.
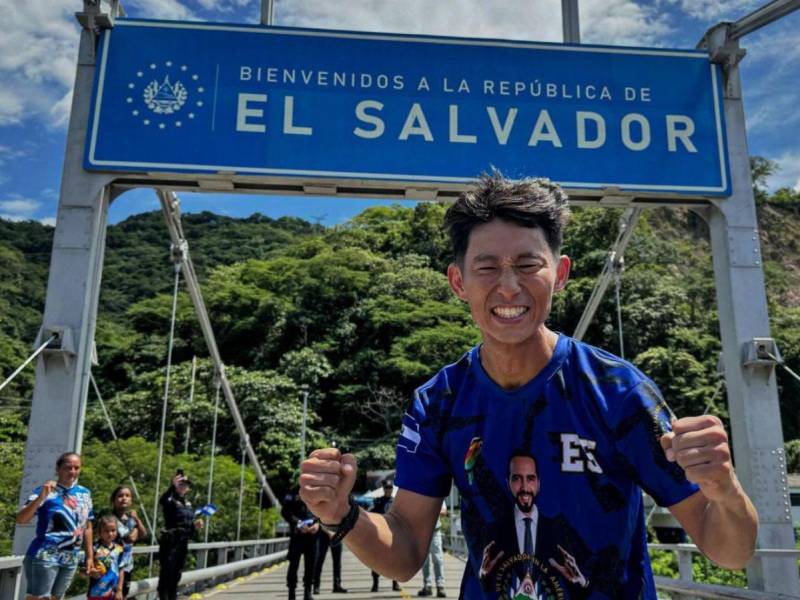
<point>599,428</point>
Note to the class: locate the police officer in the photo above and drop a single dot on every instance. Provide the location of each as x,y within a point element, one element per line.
<point>381,506</point>
<point>179,524</point>
<point>323,543</point>
<point>303,529</point>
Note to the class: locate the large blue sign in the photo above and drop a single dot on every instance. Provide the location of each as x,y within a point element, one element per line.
<point>200,98</point>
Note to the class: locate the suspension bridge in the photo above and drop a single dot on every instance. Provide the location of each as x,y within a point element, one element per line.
<point>256,568</point>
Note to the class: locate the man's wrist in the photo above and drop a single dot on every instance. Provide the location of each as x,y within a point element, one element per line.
<point>340,516</point>
<point>345,526</point>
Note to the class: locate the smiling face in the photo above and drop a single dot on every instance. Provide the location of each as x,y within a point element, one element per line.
<point>523,480</point>
<point>508,277</point>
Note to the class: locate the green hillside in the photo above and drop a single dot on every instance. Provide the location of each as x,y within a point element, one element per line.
<point>358,315</point>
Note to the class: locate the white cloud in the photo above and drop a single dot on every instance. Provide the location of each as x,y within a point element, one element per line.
<point>38,49</point>
<point>51,221</point>
<point>514,19</point>
<point>788,174</point>
<point>226,5</point>
<point>158,9</point>
<point>622,23</point>
<point>18,208</point>
<point>716,10</point>
<point>603,21</point>
<point>37,56</point>
<point>7,153</point>
<point>11,107</point>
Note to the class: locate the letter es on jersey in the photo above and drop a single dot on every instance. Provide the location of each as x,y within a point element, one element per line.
<point>577,454</point>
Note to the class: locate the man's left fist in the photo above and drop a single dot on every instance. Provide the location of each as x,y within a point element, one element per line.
<point>700,446</point>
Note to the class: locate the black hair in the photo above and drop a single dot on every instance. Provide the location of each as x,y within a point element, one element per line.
<point>522,454</point>
<point>106,518</point>
<point>63,458</point>
<point>118,489</point>
<point>528,202</point>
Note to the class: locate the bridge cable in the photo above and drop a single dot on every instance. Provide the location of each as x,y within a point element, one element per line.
<point>241,492</point>
<point>260,510</point>
<point>177,268</point>
<point>120,451</point>
<point>36,353</point>
<point>189,411</point>
<point>781,363</point>
<point>218,386</point>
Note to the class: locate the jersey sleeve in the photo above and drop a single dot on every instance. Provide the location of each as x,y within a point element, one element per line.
<point>645,418</point>
<point>421,466</point>
<point>34,495</point>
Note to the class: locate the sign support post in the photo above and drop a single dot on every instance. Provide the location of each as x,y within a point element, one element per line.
<point>62,371</point>
<point>751,386</point>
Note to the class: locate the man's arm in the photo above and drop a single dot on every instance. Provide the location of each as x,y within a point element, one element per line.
<point>395,544</point>
<point>720,518</point>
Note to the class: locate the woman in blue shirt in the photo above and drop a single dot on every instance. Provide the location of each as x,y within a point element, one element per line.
<point>64,522</point>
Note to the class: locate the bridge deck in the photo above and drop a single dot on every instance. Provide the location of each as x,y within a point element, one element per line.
<point>271,583</point>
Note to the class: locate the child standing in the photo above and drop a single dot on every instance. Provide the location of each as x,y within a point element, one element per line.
<point>106,582</point>
<point>129,531</point>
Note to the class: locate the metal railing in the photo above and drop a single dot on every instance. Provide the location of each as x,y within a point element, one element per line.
<point>229,560</point>
<point>682,588</point>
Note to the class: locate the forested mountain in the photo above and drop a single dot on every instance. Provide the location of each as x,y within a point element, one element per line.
<point>357,315</point>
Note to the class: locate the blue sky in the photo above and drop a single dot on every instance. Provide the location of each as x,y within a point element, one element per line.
<point>39,41</point>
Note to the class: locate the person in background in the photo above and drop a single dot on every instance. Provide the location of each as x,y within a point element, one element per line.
<point>179,525</point>
<point>106,577</point>
<point>64,522</point>
<point>382,506</point>
<point>435,555</point>
<point>129,530</point>
<point>302,542</point>
<point>323,543</point>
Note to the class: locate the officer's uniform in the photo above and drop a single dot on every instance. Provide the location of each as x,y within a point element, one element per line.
<point>294,512</point>
<point>173,542</point>
<point>381,506</point>
<point>323,543</point>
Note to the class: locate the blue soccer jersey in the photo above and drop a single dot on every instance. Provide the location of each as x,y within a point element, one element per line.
<point>125,525</point>
<point>550,474</point>
<point>61,522</point>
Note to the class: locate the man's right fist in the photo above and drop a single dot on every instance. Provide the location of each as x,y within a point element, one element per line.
<point>326,479</point>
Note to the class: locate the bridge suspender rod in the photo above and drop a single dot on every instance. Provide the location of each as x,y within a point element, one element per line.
<point>189,413</point>
<point>241,494</point>
<point>120,452</point>
<point>613,262</point>
<point>164,410</point>
<point>171,208</point>
<point>217,385</point>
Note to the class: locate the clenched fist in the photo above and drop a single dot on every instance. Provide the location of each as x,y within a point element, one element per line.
<point>326,479</point>
<point>700,446</point>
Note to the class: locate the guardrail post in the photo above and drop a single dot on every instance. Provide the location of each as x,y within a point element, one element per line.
<point>222,559</point>
<point>201,562</point>
<point>685,564</point>
<point>238,555</point>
